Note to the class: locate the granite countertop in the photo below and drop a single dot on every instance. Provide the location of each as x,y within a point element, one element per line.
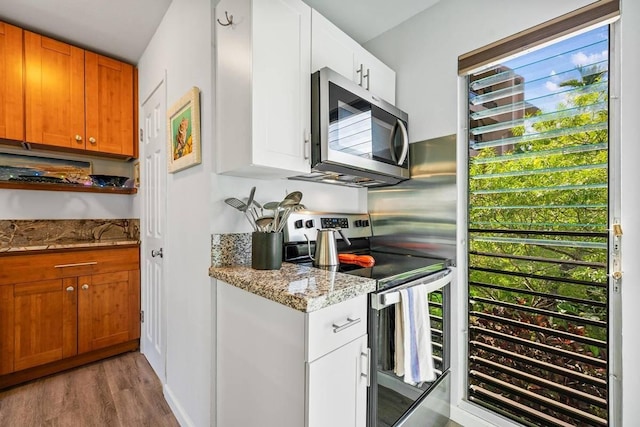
<point>299,287</point>
<point>79,245</point>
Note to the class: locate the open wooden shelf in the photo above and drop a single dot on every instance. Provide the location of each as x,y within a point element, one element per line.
<point>65,187</point>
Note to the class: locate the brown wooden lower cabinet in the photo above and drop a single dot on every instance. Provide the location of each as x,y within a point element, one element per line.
<point>73,315</point>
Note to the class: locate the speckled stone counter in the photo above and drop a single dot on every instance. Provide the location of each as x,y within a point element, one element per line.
<point>43,234</point>
<point>299,287</point>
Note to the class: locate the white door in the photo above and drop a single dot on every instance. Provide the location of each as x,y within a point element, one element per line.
<point>153,188</point>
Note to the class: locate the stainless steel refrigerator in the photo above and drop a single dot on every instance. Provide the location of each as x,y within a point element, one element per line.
<point>418,216</point>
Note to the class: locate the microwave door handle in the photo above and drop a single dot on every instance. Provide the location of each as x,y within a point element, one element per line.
<point>392,137</point>
<point>405,141</point>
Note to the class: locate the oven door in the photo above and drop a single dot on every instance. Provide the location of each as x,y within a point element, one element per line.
<point>391,400</point>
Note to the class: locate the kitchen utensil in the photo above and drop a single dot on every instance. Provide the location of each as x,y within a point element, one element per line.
<point>242,207</point>
<point>326,254</point>
<point>295,196</point>
<point>251,194</point>
<point>361,260</point>
<point>264,223</point>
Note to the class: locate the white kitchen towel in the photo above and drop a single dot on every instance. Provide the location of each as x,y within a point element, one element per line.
<point>418,359</point>
<point>398,349</point>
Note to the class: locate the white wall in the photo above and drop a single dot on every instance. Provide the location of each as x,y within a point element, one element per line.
<point>182,47</point>
<point>424,52</point>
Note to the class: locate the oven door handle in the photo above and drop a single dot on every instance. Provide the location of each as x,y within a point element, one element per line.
<point>392,296</point>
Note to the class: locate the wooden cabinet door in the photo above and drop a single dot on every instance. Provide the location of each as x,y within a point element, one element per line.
<point>44,322</point>
<point>337,389</point>
<point>54,92</point>
<point>108,309</point>
<point>11,96</point>
<point>109,105</point>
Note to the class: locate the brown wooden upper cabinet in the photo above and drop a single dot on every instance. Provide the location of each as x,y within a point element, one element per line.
<point>77,99</point>
<point>11,97</point>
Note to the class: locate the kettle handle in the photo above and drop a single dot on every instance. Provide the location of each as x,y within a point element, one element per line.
<point>345,238</point>
<point>309,247</point>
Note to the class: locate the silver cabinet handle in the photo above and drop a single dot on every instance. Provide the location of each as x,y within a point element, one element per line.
<point>78,138</point>
<point>92,140</point>
<point>360,71</point>
<point>85,287</point>
<point>70,289</point>
<point>367,366</point>
<point>350,322</point>
<point>79,264</point>
<point>155,253</point>
<point>368,77</point>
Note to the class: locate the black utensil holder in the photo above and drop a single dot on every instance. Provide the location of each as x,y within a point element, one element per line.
<point>266,250</point>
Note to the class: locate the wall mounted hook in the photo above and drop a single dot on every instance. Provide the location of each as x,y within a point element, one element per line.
<point>229,19</point>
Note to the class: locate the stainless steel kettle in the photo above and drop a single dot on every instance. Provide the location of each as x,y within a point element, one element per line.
<point>326,254</point>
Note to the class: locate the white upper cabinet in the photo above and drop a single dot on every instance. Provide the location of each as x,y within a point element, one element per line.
<point>263,87</point>
<point>331,47</point>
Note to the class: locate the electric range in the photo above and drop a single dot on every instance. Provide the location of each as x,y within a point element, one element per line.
<point>391,401</point>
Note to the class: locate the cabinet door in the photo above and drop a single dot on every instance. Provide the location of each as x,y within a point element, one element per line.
<point>109,105</point>
<point>376,76</point>
<point>337,388</point>
<point>108,309</point>
<point>330,47</point>
<point>44,322</point>
<point>281,84</point>
<point>11,96</point>
<point>54,92</point>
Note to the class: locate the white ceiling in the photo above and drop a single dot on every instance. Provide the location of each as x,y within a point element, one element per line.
<point>119,28</point>
<point>364,20</point>
<point>123,28</point>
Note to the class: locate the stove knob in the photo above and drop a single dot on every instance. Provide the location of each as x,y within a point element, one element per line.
<point>298,223</point>
<point>365,222</point>
<point>357,223</point>
<point>308,223</point>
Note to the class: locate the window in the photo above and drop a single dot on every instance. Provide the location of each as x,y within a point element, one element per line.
<point>538,234</point>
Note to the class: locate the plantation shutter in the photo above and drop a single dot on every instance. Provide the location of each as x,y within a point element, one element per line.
<point>538,234</point>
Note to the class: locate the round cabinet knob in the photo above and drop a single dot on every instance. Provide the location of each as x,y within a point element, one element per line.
<point>85,287</point>
<point>78,138</point>
<point>70,289</point>
<point>92,140</point>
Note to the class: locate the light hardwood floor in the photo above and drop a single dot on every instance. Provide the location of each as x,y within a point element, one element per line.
<point>121,391</point>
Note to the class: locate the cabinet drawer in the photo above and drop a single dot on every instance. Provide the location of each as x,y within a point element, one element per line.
<point>58,265</point>
<point>336,325</point>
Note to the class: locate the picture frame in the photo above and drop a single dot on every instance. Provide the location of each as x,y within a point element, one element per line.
<point>183,132</point>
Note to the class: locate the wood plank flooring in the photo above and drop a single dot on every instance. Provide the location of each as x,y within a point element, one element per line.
<point>121,391</point>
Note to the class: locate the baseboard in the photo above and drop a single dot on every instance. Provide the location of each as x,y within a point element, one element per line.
<point>177,409</point>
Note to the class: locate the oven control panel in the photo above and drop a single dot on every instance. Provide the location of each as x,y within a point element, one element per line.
<point>307,223</point>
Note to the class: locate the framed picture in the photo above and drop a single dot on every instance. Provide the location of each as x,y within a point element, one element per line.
<point>183,119</point>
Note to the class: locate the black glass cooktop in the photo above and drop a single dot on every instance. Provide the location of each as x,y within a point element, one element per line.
<point>391,269</point>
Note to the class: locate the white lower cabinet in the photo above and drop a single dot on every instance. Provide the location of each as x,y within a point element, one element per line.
<point>337,386</point>
<point>276,366</point>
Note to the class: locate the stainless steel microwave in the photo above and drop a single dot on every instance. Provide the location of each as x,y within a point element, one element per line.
<point>357,138</point>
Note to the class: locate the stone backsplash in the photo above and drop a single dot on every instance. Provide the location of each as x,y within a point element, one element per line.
<point>230,249</point>
<point>16,235</point>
